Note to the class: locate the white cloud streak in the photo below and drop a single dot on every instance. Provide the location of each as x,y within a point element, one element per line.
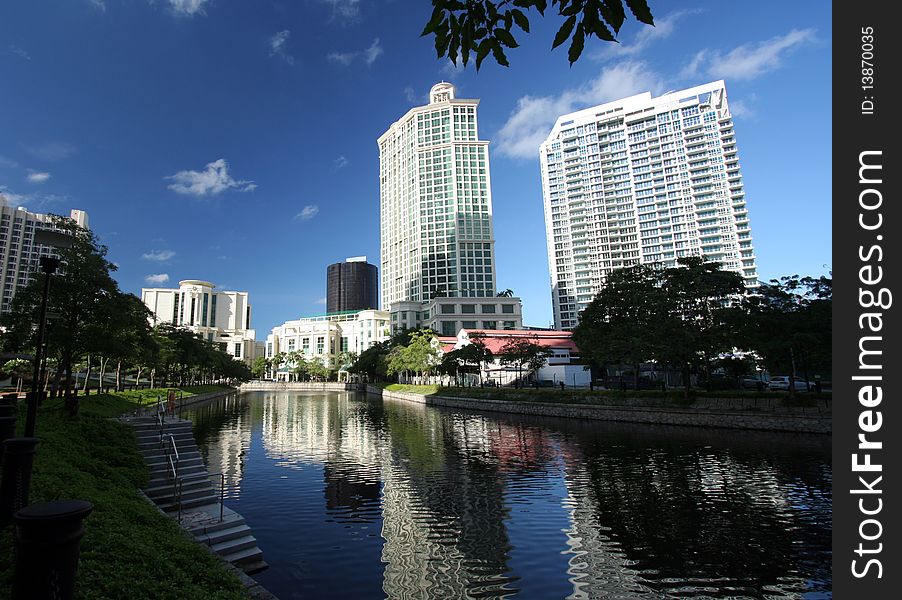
<point>157,278</point>
<point>277,46</point>
<point>158,255</point>
<point>38,176</point>
<point>645,37</point>
<point>307,213</point>
<point>368,56</point>
<point>20,52</point>
<point>346,11</point>
<point>187,8</point>
<point>54,150</point>
<point>534,116</point>
<point>748,61</point>
<point>341,162</point>
<point>213,180</point>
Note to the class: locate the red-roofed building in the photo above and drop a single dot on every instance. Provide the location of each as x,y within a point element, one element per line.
<point>563,364</point>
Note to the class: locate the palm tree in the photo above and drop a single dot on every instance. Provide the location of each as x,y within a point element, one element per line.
<point>508,293</point>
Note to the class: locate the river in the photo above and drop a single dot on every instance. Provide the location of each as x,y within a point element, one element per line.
<point>351,496</point>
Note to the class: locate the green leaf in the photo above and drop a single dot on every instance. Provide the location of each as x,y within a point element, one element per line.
<point>442,39</point>
<point>576,46</point>
<point>506,38</point>
<point>640,10</point>
<point>498,53</point>
<point>597,28</point>
<point>611,10</point>
<point>438,16</point>
<point>564,32</point>
<point>521,20</point>
<point>575,8</point>
<point>483,50</point>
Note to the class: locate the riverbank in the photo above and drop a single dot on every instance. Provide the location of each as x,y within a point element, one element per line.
<point>747,411</point>
<point>296,386</point>
<point>128,544</point>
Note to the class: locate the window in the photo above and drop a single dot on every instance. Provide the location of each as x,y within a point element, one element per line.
<point>448,327</point>
<point>175,310</point>
<point>447,309</point>
<point>507,309</point>
<point>291,345</point>
<point>213,312</point>
<point>510,324</point>
<point>488,309</point>
<point>193,306</point>
<point>468,324</point>
<point>237,350</point>
<point>203,318</point>
<point>320,344</point>
<point>468,309</point>
<point>490,324</point>
<point>305,345</point>
<point>343,347</point>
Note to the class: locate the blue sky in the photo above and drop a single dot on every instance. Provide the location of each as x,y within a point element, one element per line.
<point>235,141</point>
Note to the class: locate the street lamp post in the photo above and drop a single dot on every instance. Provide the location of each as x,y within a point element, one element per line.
<point>49,265</point>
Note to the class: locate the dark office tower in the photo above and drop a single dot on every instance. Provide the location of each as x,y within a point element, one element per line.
<point>352,285</point>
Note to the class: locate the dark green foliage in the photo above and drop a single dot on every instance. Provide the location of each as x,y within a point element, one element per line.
<point>483,26</point>
<point>129,549</point>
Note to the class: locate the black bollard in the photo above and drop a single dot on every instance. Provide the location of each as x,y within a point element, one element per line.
<point>48,536</point>
<point>18,456</point>
<point>7,430</point>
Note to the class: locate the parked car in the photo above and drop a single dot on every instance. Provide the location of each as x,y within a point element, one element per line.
<point>753,383</point>
<point>781,382</point>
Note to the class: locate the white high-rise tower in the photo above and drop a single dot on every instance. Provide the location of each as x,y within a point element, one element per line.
<point>642,180</point>
<point>435,203</point>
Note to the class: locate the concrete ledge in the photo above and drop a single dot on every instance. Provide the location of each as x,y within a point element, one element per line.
<point>282,386</point>
<point>797,419</point>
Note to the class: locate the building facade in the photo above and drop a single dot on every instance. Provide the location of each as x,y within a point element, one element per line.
<point>221,317</point>
<point>19,254</point>
<point>352,285</point>
<point>435,203</point>
<point>447,316</point>
<point>642,181</point>
<point>327,337</point>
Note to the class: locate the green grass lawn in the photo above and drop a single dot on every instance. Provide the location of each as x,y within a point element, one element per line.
<point>671,397</point>
<point>129,549</point>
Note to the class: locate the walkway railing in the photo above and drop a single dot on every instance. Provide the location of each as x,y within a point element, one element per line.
<point>181,480</point>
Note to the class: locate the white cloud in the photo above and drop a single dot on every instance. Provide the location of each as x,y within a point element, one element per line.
<point>321,300</point>
<point>646,36</point>
<point>54,150</point>
<point>344,58</point>
<point>534,116</point>
<point>740,109</point>
<point>307,213</point>
<point>340,162</point>
<point>20,52</point>
<point>368,56</point>
<point>157,278</point>
<point>187,7</point>
<point>8,163</point>
<point>158,255</point>
<point>373,52</point>
<point>98,4</point>
<point>38,177</point>
<point>410,94</point>
<point>749,60</point>
<point>347,11</point>
<point>277,46</point>
<point>213,180</point>
<point>36,202</point>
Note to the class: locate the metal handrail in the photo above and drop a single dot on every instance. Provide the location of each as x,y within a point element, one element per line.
<point>181,480</point>
<point>173,449</point>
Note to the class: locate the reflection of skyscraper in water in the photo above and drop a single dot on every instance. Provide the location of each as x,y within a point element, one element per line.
<point>227,452</point>
<point>443,509</point>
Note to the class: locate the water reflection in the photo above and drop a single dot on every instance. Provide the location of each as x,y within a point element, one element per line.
<point>354,497</point>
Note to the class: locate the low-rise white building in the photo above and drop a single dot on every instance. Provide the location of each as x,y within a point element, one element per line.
<point>327,336</point>
<point>221,317</point>
<point>447,316</point>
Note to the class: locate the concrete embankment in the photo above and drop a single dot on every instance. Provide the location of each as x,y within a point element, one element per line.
<point>735,413</point>
<point>299,386</point>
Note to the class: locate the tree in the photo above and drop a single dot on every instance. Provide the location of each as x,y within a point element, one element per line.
<point>260,366</point>
<point>621,324</point>
<point>701,302</point>
<point>473,355</point>
<point>789,324</point>
<point>508,293</point>
<point>17,367</point>
<point>317,369</point>
<point>372,362</point>
<point>524,353</point>
<point>419,356</point>
<point>484,26</point>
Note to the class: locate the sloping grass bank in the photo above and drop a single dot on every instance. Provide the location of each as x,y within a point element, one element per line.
<point>650,398</point>
<point>129,550</point>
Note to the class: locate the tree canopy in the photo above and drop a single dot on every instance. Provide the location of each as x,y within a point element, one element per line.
<point>481,27</point>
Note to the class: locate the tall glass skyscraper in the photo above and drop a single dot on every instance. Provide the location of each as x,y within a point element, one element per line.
<point>642,180</point>
<point>435,203</point>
